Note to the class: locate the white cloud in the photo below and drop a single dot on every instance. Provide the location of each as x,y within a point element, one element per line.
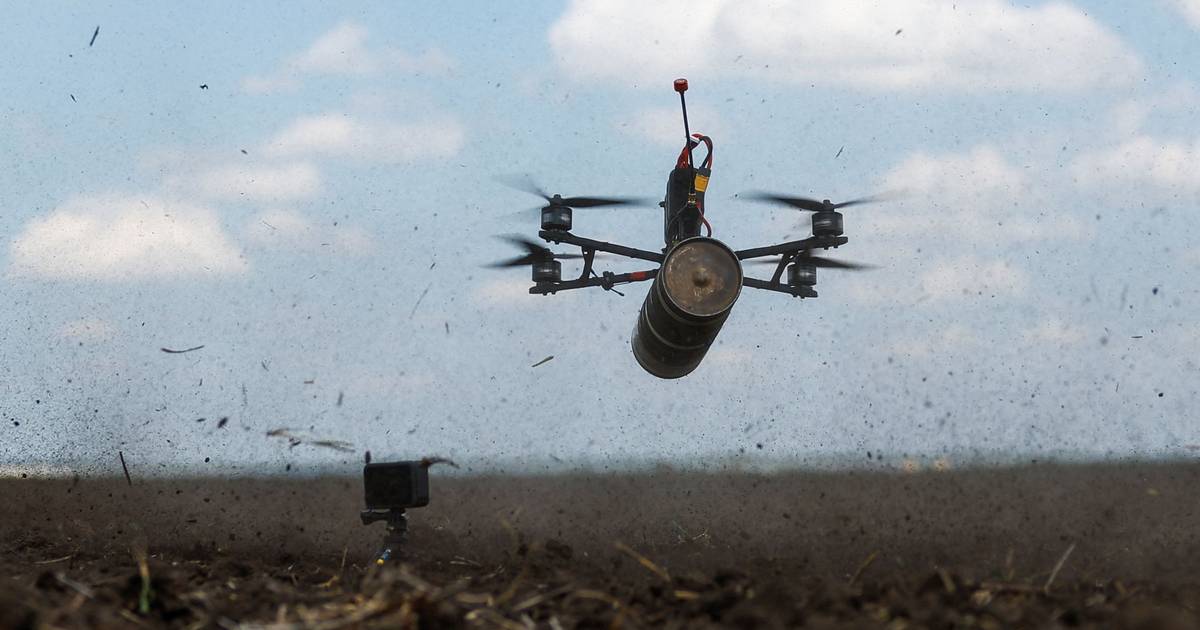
<point>971,199</point>
<point>664,125</point>
<point>343,51</point>
<point>1164,166</point>
<point>116,238</point>
<point>1190,9</point>
<point>348,136</point>
<point>901,44</point>
<point>289,229</point>
<point>1158,166</point>
<point>252,181</point>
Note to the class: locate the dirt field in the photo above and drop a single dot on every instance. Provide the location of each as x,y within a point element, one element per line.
<point>1043,546</point>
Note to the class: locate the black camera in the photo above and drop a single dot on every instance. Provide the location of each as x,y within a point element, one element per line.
<point>396,485</point>
<point>389,489</point>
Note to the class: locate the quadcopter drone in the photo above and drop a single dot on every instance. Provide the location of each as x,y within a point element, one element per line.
<point>698,278</point>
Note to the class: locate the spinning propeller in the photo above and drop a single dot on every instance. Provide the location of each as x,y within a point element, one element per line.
<point>806,257</point>
<point>813,205</point>
<point>526,184</point>
<point>535,253</point>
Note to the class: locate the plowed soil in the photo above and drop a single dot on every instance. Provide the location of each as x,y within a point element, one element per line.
<point>1043,546</point>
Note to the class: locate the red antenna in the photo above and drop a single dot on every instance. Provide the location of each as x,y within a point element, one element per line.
<point>681,86</point>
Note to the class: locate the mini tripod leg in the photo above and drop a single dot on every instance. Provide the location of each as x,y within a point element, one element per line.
<point>394,540</point>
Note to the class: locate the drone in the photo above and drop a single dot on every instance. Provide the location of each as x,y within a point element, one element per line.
<point>698,278</point>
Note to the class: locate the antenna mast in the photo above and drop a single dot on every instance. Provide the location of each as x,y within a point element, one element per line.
<point>681,86</point>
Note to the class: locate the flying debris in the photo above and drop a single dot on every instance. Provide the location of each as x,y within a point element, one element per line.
<point>170,351</point>
<point>296,439</point>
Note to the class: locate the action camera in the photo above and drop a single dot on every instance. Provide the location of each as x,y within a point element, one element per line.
<point>389,489</point>
<point>396,485</point>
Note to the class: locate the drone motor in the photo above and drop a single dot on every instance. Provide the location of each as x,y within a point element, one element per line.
<point>802,274</point>
<point>827,223</point>
<point>547,271</point>
<point>556,216</point>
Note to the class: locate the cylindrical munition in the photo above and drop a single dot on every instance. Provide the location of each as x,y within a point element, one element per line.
<point>688,302</point>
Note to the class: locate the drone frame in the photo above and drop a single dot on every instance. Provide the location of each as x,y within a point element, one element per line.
<point>789,251</point>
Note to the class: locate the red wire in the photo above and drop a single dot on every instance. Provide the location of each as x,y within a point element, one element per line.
<point>683,161</point>
<point>709,145</point>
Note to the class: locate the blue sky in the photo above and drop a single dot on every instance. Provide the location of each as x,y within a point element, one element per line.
<point>318,217</point>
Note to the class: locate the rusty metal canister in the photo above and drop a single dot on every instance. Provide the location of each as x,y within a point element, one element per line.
<point>686,306</point>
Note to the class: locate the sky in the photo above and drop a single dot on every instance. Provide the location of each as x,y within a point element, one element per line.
<point>311,193</point>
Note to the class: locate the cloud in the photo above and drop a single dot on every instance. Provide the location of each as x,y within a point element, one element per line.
<point>292,230</point>
<point>1190,9</point>
<point>348,136</point>
<point>664,125</point>
<point>251,181</point>
<point>343,51</point>
<point>984,45</point>
<point>1143,150</point>
<point>1163,166</point>
<point>116,238</point>
<point>974,198</point>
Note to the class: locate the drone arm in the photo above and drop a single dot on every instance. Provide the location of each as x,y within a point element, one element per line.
<point>559,236</point>
<point>800,292</point>
<point>788,251</point>
<point>607,281</point>
<point>810,243</point>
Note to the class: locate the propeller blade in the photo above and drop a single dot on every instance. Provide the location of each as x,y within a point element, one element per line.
<point>524,183</point>
<point>534,252</point>
<point>815,261</point>
<point>593,202</point>
<point>813,205</point>
<point>519,261</point>
<point>531,246</point>
<point>801,203</point>
<point>871,199</point>
<point>830,263</point>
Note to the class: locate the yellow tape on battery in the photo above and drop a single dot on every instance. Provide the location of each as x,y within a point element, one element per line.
<point>701,182</point>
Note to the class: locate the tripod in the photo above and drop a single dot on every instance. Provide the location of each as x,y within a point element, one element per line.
<point>396,536</point>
